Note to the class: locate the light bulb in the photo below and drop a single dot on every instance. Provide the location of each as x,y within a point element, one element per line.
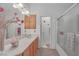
<point>20,4</point>
<point>14,5</point>
<point>25,12</point>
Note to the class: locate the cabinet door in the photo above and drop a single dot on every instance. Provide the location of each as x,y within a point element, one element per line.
<point>35,47</point>
<point>32,49</point>
<point>36,42</point>
<point>27,22</point>
<point>27,52</point>
<point>32,21</point>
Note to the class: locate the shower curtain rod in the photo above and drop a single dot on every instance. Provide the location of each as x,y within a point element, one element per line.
<point>69,9</point>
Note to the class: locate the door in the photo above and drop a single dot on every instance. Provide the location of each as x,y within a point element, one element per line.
<point>46,32</point>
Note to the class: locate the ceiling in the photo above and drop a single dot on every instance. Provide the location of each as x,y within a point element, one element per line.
<point>54,9</point>
<point>50,9</point>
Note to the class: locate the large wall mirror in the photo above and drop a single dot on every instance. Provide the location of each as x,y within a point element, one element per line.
<point>12,29</point>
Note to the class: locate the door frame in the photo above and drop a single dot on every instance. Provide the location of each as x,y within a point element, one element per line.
<point>50,30</point>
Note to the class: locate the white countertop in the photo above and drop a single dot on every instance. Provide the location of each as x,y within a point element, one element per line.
<point>23,44</point>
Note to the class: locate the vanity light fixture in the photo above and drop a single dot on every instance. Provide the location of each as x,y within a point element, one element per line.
<point>21,8</point>
<point>26,12</point>
<point>18,5</point>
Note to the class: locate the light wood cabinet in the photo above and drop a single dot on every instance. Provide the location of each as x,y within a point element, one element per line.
<point>35,46</point>
<point>30,22</point>
<point>26,22</point>
<point>27,52</point>
<point>32,49</point>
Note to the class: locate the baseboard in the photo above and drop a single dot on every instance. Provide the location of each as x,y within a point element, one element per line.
<point>60,50</point>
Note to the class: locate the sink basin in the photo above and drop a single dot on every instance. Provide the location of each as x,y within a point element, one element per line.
<point>7,45</point>
<point>6,49</point>
<point>28,36</point>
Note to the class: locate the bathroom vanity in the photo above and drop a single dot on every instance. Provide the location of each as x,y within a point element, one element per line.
<point>31,49</point>
<point>26,47</point>
<point>10,45</point>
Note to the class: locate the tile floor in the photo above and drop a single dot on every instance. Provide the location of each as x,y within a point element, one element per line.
<point>47,52</point>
